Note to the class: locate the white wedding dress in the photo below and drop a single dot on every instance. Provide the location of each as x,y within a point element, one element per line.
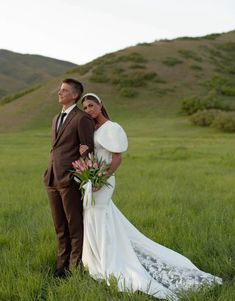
<point>114,247</point>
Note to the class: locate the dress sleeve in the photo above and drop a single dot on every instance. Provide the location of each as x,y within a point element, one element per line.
<point>113,138</point>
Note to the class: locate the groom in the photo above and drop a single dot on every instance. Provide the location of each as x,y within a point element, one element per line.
<point>70,128</point>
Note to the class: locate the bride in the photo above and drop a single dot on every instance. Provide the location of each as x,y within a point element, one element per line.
<point>112,246</point>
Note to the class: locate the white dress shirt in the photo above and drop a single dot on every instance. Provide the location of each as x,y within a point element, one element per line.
<point>67,111</point>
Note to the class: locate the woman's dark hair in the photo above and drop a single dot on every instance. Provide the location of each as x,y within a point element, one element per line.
<point>76,85</point>
<point>93,98</point>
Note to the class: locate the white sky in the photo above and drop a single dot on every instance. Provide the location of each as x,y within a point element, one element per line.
<point>81,30</point>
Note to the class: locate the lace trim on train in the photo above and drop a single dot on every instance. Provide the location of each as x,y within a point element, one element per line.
<point>172,277</point>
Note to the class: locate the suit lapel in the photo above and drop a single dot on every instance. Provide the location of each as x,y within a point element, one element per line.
<point>54,125</point>
<point>65,124</point>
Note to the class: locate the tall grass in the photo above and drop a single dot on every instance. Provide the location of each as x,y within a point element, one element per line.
<point>176,185</point>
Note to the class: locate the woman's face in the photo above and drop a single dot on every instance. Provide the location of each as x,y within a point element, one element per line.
<point>92,108</point>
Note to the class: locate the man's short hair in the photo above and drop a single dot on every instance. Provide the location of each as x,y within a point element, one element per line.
<point>77,86</point>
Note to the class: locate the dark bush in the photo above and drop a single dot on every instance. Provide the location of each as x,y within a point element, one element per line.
<point>188,38</point>
<point>212,36</point>
<point>231,70</point>
<point>225,121</point>
<point>128,92</point>
<point>204,118</point>
<point>136,57</point>
<point>193,104</point>
<point>196,67</point>
<point>83,69</point>
<point>217,82</point>
<point>228,91</point>
<point>172,61</point>
<point>229,46</point>
<point>132,57</point>
<point>134,79</point>
<point>118,70</point>
<point>149,75</point>
<point>137,66</point>
<point>98,75</point>
<point>189,54</point>
<point>144,44</point>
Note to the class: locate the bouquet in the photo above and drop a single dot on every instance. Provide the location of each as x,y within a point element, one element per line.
<point>90,172</point>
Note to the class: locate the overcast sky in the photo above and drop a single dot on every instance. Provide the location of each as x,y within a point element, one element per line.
<point>81,30</point>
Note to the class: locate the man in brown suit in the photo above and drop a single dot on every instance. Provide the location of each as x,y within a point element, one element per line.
<point>70,128</point>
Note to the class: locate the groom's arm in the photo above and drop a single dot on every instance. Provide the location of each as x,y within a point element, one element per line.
<point>86,134</point>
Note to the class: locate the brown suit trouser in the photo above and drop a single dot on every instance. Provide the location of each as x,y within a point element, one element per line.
<point>67,214</point>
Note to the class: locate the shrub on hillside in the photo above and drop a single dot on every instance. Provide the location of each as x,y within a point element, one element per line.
<point>222,120</point>
<point>231,70</point>
<point>132,57</point>
<point>128,92</point>
<point>12,97</point>
<point>228,91</point>
<point>172,61</point>
<point>137,66</point>
<point>107,59</point>
<point>80,69</point>
<point>222,85</point>
<point>214,53</point>
<point>212,36</point>
<point>189,54</point>
<point>228,46</point>
<point>98,75</point>
<point>136,57</point>
<point>189,38</point>
<point>134,79</point>
<point>196,67</point>
<point>225,121</point>
<point>118,70</point>
<point>144,44</point>
<point>217,82</point>
<point>193,104</point>
<point>205,117</point>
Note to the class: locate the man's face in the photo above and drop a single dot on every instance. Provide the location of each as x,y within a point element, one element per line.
<point>66,94</point>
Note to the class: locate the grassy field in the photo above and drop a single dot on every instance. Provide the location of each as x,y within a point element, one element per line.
<point>176,184</point>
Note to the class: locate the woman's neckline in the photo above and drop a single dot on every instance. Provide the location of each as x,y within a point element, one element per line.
<point>102,125</point>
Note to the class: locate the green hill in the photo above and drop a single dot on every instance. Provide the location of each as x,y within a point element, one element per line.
<point>19,71</point>
<point>146,79</point>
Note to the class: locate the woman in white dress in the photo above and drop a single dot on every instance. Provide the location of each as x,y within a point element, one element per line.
<point>112,246</point>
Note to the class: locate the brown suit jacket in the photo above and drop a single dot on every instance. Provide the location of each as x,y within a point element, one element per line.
<point>77,129</point>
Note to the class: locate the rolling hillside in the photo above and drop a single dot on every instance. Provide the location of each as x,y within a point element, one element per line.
<point>19,71</point>
<point>144,79</point>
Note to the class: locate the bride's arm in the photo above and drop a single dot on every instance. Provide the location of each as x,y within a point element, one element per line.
<point>116,161</point>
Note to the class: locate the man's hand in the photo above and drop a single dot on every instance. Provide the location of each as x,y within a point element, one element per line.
<point>83,148</point>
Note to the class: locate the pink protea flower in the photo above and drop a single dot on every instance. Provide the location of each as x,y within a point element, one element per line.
<point>95,165</point>
<point>100,174</point>
<point>82,164</point>
<point>75,164</point>
<point>89,163</point>
<point>78,171</point>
